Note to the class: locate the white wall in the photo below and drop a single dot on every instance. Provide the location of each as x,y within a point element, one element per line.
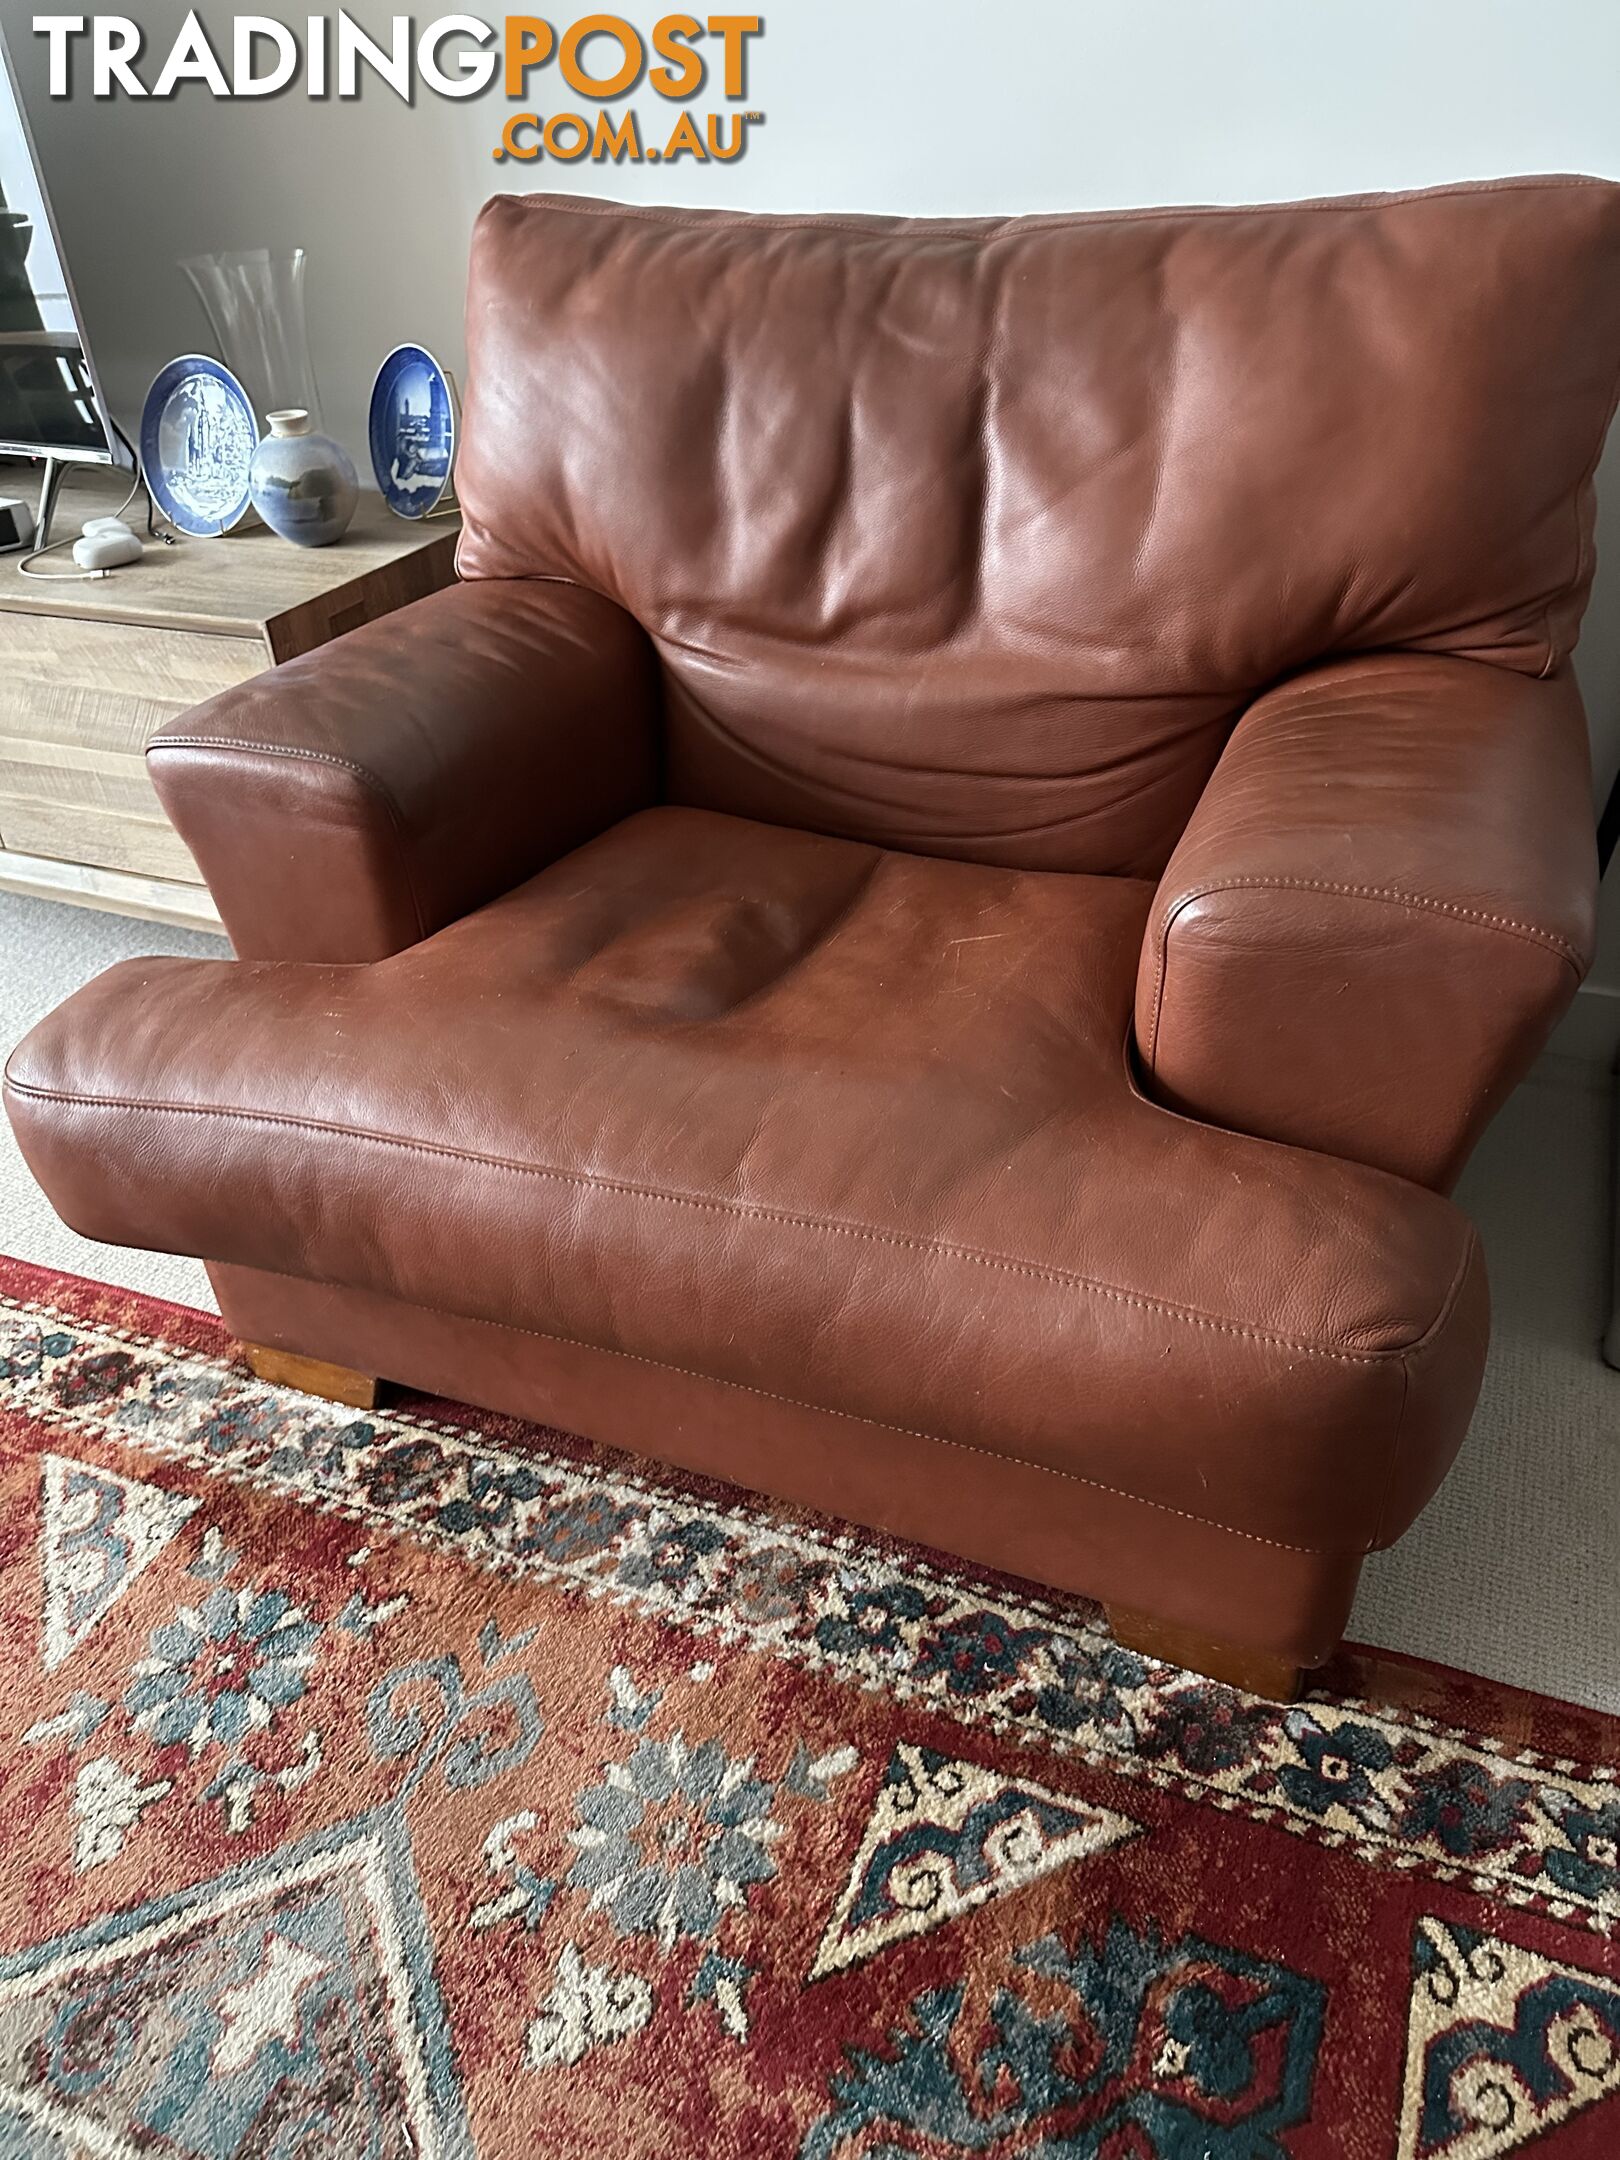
<point>909,105</point>
<point>137,184</point>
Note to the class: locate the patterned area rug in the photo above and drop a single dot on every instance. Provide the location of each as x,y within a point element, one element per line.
<point>419,1783</point>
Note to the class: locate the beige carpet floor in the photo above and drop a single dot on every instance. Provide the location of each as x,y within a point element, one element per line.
<point>1513,1572</point>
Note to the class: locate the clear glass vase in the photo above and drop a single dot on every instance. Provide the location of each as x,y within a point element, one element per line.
<point>254,302</point>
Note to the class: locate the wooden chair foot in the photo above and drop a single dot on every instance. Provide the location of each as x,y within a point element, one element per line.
<point>1257,1672</point>
<point>314,1376</point>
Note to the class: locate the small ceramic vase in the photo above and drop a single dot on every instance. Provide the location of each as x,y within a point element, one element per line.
<point>304,485</point>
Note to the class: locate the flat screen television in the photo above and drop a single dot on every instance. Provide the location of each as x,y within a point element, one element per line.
<point>50,401</point>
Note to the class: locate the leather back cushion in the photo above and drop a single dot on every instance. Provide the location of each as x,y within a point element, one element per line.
<point>973,538</point>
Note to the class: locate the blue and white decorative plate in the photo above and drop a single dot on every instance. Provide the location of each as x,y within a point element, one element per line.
<point>198,436</point>
<point>413,431</point>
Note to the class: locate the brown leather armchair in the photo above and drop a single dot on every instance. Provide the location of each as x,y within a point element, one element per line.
<point>687,972</point>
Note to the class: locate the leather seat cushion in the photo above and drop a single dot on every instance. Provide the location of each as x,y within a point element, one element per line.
<point>846,1126</point>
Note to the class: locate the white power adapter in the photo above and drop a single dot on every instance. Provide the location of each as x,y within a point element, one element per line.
<point>107,542</point>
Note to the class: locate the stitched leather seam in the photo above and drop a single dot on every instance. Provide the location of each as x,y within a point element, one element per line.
<point>1396,898</point>
<point>1392,896</point>
<point>1064,1277</point>
<point>362,773</point>
<point>909,1432</point>
<point>852,1417</point>
<point>281,750</point>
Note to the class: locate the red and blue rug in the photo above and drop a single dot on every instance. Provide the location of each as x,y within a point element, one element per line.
<point>419,1783</point>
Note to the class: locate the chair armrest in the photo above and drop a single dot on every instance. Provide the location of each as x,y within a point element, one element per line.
<point>1381,905</point>
<point>350,802</point>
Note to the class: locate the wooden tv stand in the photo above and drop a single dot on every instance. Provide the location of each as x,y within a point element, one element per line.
<point>88,671</point>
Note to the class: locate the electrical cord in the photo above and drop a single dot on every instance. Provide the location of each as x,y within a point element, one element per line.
<point>69,577</point>
<point>152,532</point>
